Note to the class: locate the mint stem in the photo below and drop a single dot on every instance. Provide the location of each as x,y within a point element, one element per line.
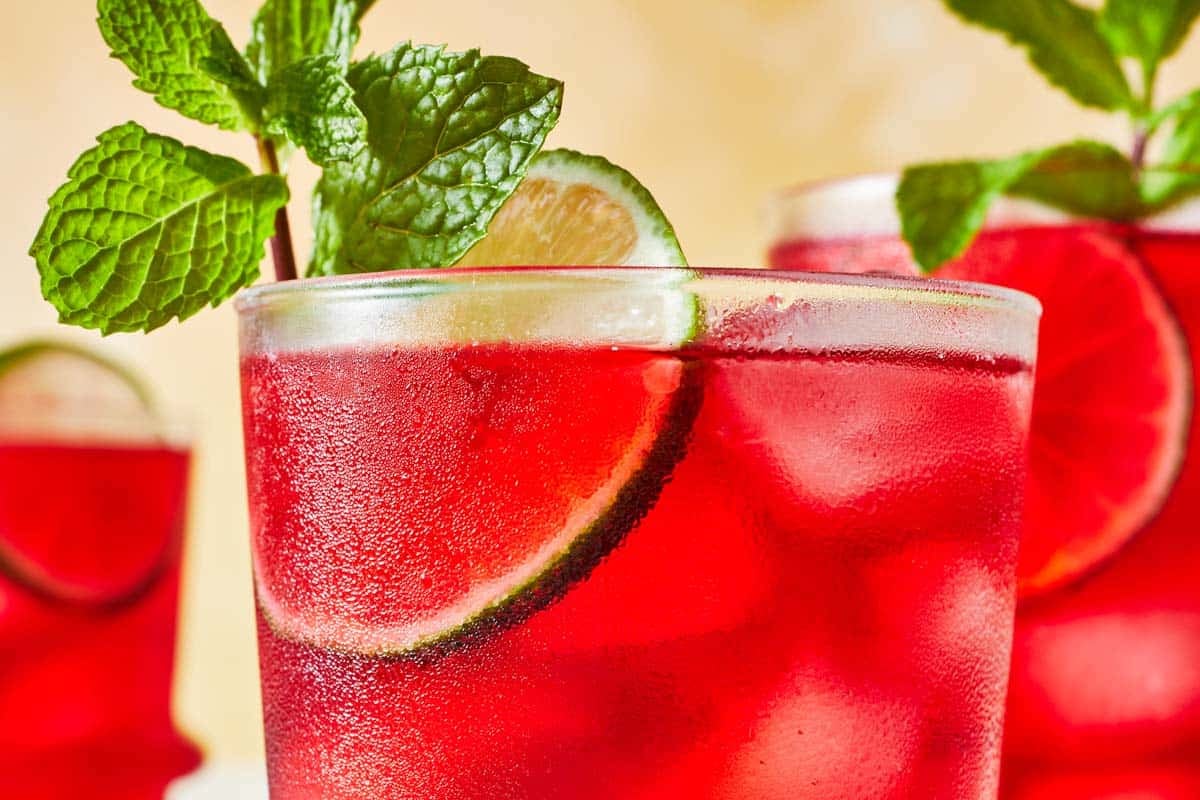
<point>282,253</point>
<point>1138,156</point>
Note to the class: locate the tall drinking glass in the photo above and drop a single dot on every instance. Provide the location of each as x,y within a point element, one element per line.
<point>634,533</point>
<point>93,499</point>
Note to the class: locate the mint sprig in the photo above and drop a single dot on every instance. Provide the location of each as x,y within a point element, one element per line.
<point>285,32</point>
<point>1148,30</point>
<point>312,105</point>
<point>176,52</point>
<point>1063,41</point>
<point>450,137</point>
<point>147,230</point>
<point>420,147</point>
<point>943,206</point>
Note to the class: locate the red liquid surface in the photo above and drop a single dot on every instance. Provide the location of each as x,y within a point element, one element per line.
<point>1104,702</point>
<point>85,687</point>
<point>816,606</point>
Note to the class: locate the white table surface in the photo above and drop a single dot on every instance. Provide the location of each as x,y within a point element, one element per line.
<point>221,782</point>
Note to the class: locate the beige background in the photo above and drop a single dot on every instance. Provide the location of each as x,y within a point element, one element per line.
<point>713,104</point>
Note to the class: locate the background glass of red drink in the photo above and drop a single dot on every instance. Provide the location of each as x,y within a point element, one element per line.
<point>92,512</point>
<point>1105,694</point>
<point>796,504</point>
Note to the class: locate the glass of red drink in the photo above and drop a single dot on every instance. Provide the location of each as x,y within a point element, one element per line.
<point>92,508</point>
<point>637,533</point>
<point>1105,694</point>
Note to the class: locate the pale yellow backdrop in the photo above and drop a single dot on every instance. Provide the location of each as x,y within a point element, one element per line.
<point>713,104</point>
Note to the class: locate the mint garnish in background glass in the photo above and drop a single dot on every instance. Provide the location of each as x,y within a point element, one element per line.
<point>419,149</point>
<point>1107,59</point>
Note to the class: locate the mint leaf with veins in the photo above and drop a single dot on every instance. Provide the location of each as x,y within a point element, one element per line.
<point>1063,41</point>
<point>1086,179</point>
<point>311,104</point>
<point>449,137</point>
<point>182,56</point>
<point>944,206</point>
<point>228,67</point>
<point>287,31</point>
<point>1148,30</point>
<point>147,230</point>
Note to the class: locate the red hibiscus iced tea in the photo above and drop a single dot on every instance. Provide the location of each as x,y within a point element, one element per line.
<point>635,533</point>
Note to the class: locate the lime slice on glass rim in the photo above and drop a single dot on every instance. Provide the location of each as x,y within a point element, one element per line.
<point>575,209</point>
<point>572,209</point>
<point>55,394</point>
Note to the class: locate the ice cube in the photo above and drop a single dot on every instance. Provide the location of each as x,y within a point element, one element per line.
<point>821,737</point>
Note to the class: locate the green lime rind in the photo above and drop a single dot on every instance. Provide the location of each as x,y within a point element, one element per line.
<point>656,309</point>
<point>39,583</point>
<point>677,320</point>
<point>34,578</point>
<point>658,245</point>
<point>584,551</point>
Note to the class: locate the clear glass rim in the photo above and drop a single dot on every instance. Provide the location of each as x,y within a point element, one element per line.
<point>406,283</point>
<point>783,206</point>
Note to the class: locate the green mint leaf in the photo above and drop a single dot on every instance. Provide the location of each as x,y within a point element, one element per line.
<point>227,66</point>
<point>311,103</point>
<point>1087,179</point>
<point>1148,30</point>
<point>1063,41</point>
<point>147,230</point>
<point>177,52</point>
<point>449,137</point>
<point>286,31</point>
<point>944,206</point>
<point>1177,176</point>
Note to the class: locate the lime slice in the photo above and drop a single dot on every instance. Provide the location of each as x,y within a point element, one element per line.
<point>576,209</point>
<point>85,478</point>
<point>585,484</point>
<point>486,530</point>
<point>54,388</point>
